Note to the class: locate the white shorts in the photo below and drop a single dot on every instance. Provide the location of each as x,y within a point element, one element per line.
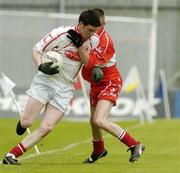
<point>56,93</point>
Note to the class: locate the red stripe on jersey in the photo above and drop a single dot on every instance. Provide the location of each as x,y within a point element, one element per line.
<point>52,39</point>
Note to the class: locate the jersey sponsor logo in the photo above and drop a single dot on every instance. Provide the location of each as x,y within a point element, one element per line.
<point>72,55</point>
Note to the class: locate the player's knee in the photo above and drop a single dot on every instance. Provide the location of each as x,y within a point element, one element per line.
<point>45,129</point>
<point>91,120</point>
<point>99,122</point>
<point>94,122</point>
<point>26,123</point>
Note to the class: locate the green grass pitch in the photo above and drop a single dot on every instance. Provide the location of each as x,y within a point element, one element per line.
<point>69,144</point>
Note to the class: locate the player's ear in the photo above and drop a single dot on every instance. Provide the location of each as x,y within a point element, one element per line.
<point>81,24</point>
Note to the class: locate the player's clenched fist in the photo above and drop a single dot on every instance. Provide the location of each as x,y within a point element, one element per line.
<point>75,38</point>
<point>97,74</point>
<point>48,69</point>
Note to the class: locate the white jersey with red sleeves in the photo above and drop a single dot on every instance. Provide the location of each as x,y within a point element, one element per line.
<point>57,40</point>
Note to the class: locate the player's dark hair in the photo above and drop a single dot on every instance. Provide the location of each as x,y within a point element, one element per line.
<point>99,12</point>
<point>89,17</point>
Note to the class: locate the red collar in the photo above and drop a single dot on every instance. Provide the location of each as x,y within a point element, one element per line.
<point>101,31</point>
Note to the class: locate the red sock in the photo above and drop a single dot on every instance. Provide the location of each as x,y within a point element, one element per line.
<point>127,139</point>
<point>18,150</point>
<point>98,146</point>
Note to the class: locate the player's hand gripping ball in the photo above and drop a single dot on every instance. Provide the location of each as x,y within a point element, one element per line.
<point>55,57</point>
<point>52,62</point>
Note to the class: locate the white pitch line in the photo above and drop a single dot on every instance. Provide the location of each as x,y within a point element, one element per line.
<point>70,146</point>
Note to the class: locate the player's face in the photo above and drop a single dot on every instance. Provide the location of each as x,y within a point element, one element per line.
<point>87,31</point>
<point>102,21</point>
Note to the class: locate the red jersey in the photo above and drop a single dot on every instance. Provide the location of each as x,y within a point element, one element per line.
<point>103,56</point>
